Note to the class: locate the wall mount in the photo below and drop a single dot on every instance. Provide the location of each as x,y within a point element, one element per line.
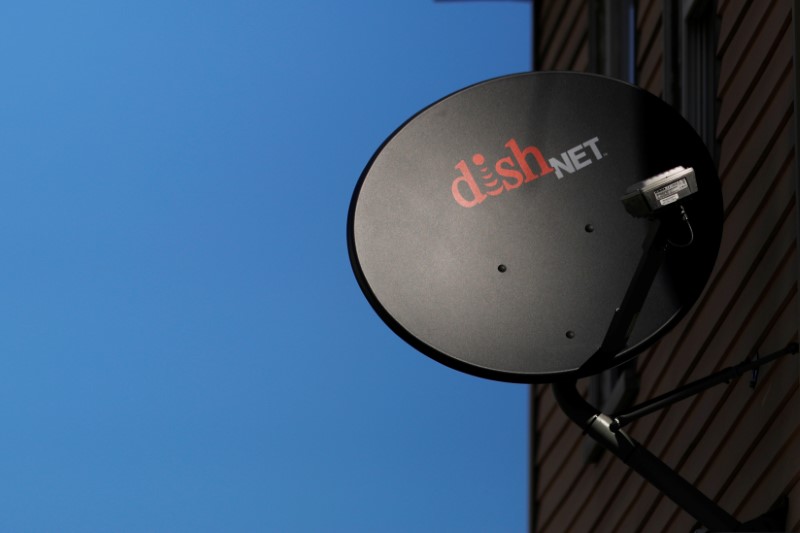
<point>607,430</point>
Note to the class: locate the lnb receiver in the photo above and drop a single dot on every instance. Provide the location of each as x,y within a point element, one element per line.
<point>644,198</point>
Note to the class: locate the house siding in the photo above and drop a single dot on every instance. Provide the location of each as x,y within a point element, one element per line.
<point>737,444</point>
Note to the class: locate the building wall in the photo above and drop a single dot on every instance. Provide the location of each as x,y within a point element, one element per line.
<point>739,445</point>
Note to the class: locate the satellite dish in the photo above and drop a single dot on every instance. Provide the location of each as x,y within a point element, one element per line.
<point>490,232</point>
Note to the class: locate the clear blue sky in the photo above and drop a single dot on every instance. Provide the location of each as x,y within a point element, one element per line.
<point>183,344</point>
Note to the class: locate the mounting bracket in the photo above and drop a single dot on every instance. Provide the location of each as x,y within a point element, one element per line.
<point>608,432</point>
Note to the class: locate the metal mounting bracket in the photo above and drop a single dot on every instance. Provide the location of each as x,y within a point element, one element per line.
<point>608,432</point>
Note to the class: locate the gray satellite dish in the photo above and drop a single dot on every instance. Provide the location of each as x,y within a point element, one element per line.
<point>488,231</point>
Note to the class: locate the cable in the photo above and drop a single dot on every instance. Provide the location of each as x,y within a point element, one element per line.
<point>685,218</point>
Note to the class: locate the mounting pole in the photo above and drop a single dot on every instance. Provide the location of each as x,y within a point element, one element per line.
<point>598,426</point>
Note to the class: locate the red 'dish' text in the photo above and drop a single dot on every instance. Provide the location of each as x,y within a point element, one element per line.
<point>522,165</point>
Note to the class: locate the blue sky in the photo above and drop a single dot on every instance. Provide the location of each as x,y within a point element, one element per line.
<point>184,346</point>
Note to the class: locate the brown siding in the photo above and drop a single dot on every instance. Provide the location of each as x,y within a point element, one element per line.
<point>650,49</point>
<point>740,446</point>
<point>564,27</point>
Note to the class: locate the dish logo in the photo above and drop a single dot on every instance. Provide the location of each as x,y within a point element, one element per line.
<point>512,171</point>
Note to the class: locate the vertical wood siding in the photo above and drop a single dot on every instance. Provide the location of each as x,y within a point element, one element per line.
<point>739,445</point>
